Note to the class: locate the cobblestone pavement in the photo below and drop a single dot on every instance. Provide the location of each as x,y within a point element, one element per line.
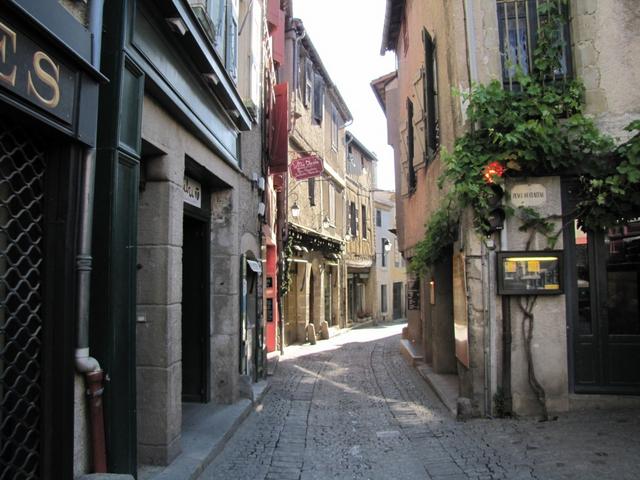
<point>351,408</point>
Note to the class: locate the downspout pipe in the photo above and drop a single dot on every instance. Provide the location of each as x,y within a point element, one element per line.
<point>84,363</point>
<point>84,260</point>
<point>96,9</point>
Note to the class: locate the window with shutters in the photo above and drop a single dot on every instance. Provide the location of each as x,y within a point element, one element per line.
<point>364,221</point>
<point>311,185</point>
<point>334,128</point>
<point>353,219</point>
<point>430,97</point>
<point>411,169</point>
<point>378,217</point>
<point>318,98</point>
<point>308,82</point>
<point>518,23</point>
<point>332,203</point>
<point>231,60</point>
<point>219,20</point>
<point>383,252</point>
<point>383,298</point>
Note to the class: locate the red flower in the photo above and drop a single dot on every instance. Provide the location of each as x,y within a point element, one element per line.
<point>493,170</point>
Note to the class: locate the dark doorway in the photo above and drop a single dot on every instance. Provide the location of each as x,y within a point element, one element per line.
<point>397,300</point>
<point>312,292</point>
<point>351,292</point>
<point>195,324</point>
<point>327,297</point>
<point>606,322</point>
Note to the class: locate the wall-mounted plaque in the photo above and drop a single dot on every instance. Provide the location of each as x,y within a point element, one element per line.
<point>192,192</point>
<point>528,195</point>
<point>530,273</point>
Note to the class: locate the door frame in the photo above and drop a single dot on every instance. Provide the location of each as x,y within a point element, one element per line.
<point>597,272</point>
<point>203,217</point>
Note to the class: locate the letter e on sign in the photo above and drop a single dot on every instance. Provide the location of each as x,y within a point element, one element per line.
<point>50,79</point>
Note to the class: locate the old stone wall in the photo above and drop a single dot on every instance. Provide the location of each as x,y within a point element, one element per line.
<point>606,47</point>
<point>549,344</point>
<point>160,240</point>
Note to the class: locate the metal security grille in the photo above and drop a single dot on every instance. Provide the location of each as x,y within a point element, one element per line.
<point>518,24</point>
<point>22,167</point>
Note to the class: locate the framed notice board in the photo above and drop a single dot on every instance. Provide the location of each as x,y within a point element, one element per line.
<point>413,294</point>
<point>530,273</point>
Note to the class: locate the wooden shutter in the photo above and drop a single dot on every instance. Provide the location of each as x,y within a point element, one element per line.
<point>318,97</point>
<point>431,133</point>
<point>311,183</point>
<point>279,123</point>
<point>308,77</point>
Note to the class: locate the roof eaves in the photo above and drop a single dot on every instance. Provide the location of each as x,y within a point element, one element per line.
<point>379,88</point>
<point>392,22</point>
<point>361,146</point>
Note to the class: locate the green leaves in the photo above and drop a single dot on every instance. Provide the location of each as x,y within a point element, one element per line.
<point>614,196</point>
<point>441,231</point>
<point>538,129</point>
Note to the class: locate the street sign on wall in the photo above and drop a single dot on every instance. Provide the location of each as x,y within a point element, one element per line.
<point>192,192</point>
<point>528,195</point>
<point>306,167</point>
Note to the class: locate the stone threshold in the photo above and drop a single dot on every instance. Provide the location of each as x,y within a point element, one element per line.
<point>206,428</point>
<point>445,386</point>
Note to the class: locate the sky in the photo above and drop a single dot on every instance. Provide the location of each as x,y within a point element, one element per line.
<point>347,34</point>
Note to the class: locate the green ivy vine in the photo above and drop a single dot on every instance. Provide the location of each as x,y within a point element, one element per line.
<point>537,129</point>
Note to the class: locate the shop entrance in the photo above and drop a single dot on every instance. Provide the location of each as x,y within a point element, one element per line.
<point>606,303</point>
<point>397,300</point>
<point>195,322</point>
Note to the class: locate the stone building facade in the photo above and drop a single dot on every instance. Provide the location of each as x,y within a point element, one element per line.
<point>360,231</point>
<point>315,206</point>
<point>579,357</point>
<point>391,275</point>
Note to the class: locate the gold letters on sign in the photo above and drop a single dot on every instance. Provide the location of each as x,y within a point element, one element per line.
<point>43,75</point>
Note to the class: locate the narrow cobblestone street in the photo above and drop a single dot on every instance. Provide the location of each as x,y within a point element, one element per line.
<point>351,407</point>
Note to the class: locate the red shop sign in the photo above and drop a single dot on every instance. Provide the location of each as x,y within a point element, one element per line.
<point>306,167</point>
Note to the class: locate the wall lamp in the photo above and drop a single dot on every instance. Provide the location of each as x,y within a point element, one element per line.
<point>295,210</point>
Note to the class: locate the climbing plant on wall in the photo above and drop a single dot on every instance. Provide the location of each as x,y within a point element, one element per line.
<point>536,129</point>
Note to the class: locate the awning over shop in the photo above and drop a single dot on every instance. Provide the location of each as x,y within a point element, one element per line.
<point>255,266</point>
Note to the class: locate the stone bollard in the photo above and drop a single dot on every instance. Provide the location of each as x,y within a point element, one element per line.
<point>465,408</point>
<point>324,330</point>
<point>311,333</point>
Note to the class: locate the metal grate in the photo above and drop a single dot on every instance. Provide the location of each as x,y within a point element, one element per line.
<point>22,167</point>
<point>518,24</point>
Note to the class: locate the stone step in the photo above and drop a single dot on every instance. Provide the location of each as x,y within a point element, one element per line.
<point>410,352</point>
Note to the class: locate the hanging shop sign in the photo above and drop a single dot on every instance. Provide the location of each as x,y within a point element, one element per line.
<point>35,75</point>
<point>528,195</point>
<point>530,273</point>
<point>192,192</point>
<point>306,167</point>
